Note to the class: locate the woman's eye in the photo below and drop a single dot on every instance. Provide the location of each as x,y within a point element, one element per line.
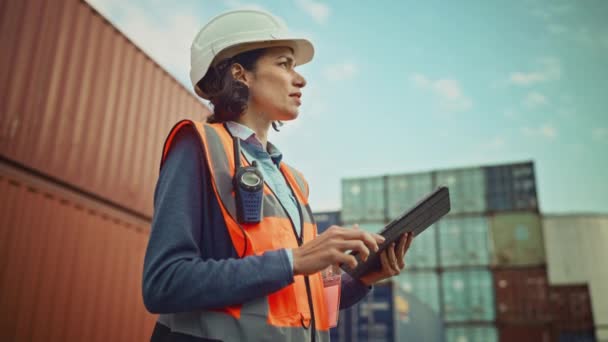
<point>284,64</point>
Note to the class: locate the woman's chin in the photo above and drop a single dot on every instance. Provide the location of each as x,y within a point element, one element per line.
<point>288,116</point>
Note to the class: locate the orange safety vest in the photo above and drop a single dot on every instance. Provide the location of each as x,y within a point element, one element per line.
<point>285,315</point>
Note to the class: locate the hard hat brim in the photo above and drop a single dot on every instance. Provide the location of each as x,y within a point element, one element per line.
<point>303,51</point>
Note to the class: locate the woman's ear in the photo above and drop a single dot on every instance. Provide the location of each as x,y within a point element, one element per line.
<point>239,73</point>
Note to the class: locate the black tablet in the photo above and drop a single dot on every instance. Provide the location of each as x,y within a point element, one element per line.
<point>416,219</point>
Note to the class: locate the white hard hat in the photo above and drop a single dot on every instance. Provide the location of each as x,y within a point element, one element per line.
<point>238,31</point>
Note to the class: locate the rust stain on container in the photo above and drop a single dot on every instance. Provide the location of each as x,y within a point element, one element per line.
<point>81,103</point>
<point>71,267</point>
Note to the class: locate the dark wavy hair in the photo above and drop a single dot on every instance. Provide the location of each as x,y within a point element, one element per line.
<point>227,95</point>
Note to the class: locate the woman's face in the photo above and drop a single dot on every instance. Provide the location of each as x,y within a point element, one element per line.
<point>274,86</point>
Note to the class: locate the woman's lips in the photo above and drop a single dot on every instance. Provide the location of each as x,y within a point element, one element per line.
<point>297,97</point>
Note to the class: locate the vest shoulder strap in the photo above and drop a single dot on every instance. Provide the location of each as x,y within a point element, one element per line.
<point>171,136</point>
<point>299,178</point>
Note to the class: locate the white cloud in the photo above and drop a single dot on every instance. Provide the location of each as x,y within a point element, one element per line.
<point>600,134</point>
<point>317,10</point>
<point>496,143</point>
<point>546,131</point>
<point>510,114</point>
<point>341,72</point>
<point>535,99</point>
<point>449,92</point>
<point>550,70</point>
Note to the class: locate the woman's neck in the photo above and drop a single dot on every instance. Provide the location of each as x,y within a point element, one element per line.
<point>258,124</point>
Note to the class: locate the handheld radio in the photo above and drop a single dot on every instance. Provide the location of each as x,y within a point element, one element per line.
<point>249,188</point>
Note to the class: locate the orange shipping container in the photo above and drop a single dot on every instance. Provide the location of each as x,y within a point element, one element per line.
<point>70,266</point>
<point>82,104</point>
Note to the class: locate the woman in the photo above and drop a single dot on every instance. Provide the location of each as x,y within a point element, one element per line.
<point>211,272</point>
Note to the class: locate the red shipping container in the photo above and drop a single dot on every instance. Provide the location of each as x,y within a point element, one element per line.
<point>571,307</point>
<point>70,266</point>
<point>84,105</point>
<point>522,295</point>
<point>525,333</point>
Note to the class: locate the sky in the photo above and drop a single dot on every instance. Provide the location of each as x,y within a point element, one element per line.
<point>413,86</point>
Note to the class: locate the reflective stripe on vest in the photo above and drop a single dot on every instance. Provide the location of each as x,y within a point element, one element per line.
<point>285,314</point>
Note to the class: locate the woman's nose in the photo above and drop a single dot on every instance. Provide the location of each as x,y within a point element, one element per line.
<point>299,80</point>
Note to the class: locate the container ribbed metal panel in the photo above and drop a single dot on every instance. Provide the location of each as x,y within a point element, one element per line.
<point>422,284</point>
<point>522,296</point>
<point>471,333</point>
<point>363,200</point>
<point>81,103</point>
<point>406,190</point>
<point>526,333</point>
<point>468,295</point>
<point>464,241</point>
<point>423,252</point>
<point>388,314</point>
<point>517,239</point>
<point>571,307</point>
<point>327,219</point>
<point>70,267</point>
<point>511,187</point>
<point>467,189</point>
<point>576,246</point>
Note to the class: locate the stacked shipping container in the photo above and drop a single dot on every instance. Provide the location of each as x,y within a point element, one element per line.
<point>481,265</point>
<point>388,314</point>
<point>576,251</point>
<point>83,117</point>
<point>326,219</point>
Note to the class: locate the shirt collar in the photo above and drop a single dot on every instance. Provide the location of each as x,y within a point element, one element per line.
<point>248,135</point>
<point>244,133</point>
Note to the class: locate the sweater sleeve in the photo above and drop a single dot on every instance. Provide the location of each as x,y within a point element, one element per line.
<point>176,278</point>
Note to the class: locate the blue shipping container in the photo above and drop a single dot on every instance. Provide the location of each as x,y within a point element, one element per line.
<point>576,336</point>
<point>327,219</point>
<point>511,187</point>
<point>389,314</point>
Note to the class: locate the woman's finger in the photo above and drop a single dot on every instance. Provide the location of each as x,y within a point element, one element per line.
<point>386,264</point>
<point>400,252</point>
<point>393,259</point>
<point>410,238</point>
<point>401,247</point>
